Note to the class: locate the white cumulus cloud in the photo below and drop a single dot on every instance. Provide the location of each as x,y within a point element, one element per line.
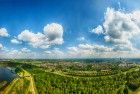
<point>3,32</point>
<point>15,41</point>
<point>120,28</point>
<point>97,30</point>
<point>52,35</point>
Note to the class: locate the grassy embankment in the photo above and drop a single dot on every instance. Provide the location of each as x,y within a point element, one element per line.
<point>24,84</point>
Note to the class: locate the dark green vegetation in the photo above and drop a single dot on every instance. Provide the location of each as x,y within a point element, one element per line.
<point>2,84</point>
<point>80,77</point>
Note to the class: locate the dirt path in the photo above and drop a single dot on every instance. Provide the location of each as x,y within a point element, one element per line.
<point>32,88</point>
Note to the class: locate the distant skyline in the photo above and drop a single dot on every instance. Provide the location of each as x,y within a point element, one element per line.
<point>53,29</point>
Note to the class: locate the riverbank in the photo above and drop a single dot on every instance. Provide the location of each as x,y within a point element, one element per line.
<point>23,84</point>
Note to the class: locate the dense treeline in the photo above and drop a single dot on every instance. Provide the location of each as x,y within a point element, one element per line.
<point>50,83</point>
<point>133,80</point>
<point>77,78</point>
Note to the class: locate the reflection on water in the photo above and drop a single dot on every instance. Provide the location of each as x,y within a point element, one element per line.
<point>6,74</point>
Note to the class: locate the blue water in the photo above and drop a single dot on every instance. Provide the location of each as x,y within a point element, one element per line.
<point>6,74</point>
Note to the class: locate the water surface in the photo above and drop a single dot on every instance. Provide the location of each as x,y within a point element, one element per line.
<point>6,74</point>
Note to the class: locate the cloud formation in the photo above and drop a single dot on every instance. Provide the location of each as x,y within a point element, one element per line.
<point>25,50</point>
<point>55,53</point>
<point>120,28</point>
<point>87,50</point>
<point>97,30</point>
<point>3,32</point>
<point>1,46</point>
<point>14,53</point>
<point>52,35</point>
<point>15,41</point>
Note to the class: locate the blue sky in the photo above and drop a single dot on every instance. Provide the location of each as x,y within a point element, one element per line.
<point>79,20</point>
